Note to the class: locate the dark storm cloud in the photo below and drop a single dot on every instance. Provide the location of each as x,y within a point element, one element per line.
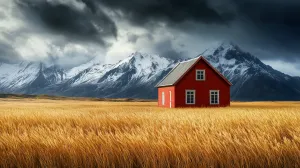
<point>271,26</point>
<point>132,38</point>
<point>8,54</point>
<point>268,24</point>
<point>175,11</point>
<point>277,25</point>
<point>165,49</point>
<point>87,24</point>
<point>279,20</point>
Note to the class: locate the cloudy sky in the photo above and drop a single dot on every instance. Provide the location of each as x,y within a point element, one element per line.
<point>70,32</point>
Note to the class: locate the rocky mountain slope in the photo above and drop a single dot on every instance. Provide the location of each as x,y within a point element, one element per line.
<point>133,77</point>
<point>136,76</point>
<point>252,79</point>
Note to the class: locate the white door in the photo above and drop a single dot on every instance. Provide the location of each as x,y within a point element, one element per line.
<point>170,99</point>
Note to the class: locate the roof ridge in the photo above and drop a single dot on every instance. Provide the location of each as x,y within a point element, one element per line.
<point>172,78</point>
<point>191,59</point>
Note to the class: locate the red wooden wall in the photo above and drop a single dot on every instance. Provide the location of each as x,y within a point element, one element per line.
<point>212,82</point>
<point>169,99</point>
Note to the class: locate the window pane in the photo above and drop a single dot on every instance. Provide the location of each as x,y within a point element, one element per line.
<point>214,97</point>
<point>200,75</point>
<point>190,97</point>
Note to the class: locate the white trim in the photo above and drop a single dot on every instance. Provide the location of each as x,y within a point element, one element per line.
<point>170,99</point>
<point>210,92</point>
<point>204,74</point>
<point>163,100</point>
<point>186,100</point>
<point>190,59</point>
<point>164,85</point>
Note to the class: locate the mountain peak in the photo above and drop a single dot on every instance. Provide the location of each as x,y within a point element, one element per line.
<point>223,46</point>
<point>229,50</point>
<point>227,44</point>
<point>140,55</point>
<point>137,53</point>
<point>139,59</point>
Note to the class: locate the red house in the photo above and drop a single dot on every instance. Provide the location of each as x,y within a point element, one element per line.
<point>194,83</point>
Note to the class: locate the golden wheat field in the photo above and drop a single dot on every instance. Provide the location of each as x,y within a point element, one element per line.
<point>74,133</point>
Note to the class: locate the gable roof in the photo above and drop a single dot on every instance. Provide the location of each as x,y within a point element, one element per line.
<point>179,71</point>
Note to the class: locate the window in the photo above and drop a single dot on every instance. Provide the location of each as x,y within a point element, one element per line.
<point>163,98</point>
<point>200,75</point>
<point>190,96</point>
<point>214,97</point>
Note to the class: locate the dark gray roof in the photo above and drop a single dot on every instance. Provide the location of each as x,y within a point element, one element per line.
<point>176,73</point>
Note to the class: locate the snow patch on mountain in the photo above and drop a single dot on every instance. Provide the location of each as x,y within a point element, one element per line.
<point>92,74</point>
<point>148,65</point>
<point>15,76</point>
<point>76,70</point>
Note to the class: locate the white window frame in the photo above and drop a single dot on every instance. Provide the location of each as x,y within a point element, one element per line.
<point>186,96</point>
<point>210,97</point>
<point>201,71</point>
<point>163,99</point>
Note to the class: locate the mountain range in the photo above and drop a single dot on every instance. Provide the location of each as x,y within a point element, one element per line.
<point>136,76</point>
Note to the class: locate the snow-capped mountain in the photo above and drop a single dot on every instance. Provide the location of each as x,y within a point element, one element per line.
<point>136,76</point>
<point>252,79</point>
<point>28,76</point>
